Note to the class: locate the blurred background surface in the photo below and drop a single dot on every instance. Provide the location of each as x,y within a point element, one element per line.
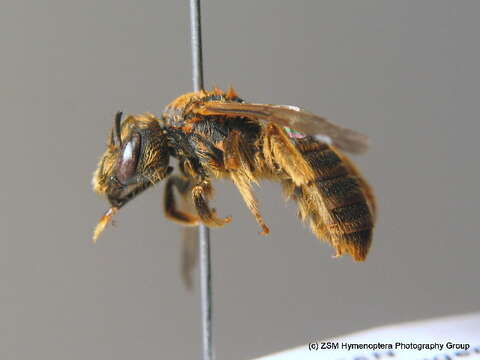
<point>405,73</point>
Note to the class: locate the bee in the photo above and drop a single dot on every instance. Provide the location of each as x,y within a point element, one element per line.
<point>215,134</point>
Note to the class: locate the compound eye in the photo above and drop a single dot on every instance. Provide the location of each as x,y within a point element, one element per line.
<point>127,164</point>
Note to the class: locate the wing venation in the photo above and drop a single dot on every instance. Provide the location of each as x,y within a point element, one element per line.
<point>295,118</point>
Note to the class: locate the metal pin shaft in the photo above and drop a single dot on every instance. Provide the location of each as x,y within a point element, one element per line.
<point>204,233</point>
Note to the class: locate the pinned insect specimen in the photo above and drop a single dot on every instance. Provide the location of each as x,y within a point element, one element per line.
<point>216,134</point>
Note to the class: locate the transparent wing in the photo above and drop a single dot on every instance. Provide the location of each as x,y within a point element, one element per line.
<point>292,117</point>
<point>189,255</point>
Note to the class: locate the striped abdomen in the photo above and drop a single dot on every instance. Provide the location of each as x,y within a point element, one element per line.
<point>338,203</point>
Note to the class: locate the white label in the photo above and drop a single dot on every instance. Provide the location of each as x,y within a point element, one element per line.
<point>450,338</point>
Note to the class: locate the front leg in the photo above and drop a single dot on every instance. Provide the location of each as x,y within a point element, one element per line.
<point>201,193</point>
<point>183,185</point>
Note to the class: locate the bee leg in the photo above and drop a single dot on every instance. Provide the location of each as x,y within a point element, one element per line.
<point>243,185</point>
<point>183,185</point>
<point>201,193</point>
<point>238,160</point>
<point>280,152</point>
<point>188,257</point>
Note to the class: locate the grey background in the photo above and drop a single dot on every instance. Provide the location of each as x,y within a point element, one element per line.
<point>404,72</point>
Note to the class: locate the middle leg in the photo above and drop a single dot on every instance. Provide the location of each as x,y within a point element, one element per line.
<point>201,193</point>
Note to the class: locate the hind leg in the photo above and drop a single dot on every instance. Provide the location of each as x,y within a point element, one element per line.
<point>280,153</point>
<point>245,190</point>
<point>239,161</point>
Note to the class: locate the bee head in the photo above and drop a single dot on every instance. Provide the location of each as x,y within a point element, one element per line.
<point>137,157</point>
